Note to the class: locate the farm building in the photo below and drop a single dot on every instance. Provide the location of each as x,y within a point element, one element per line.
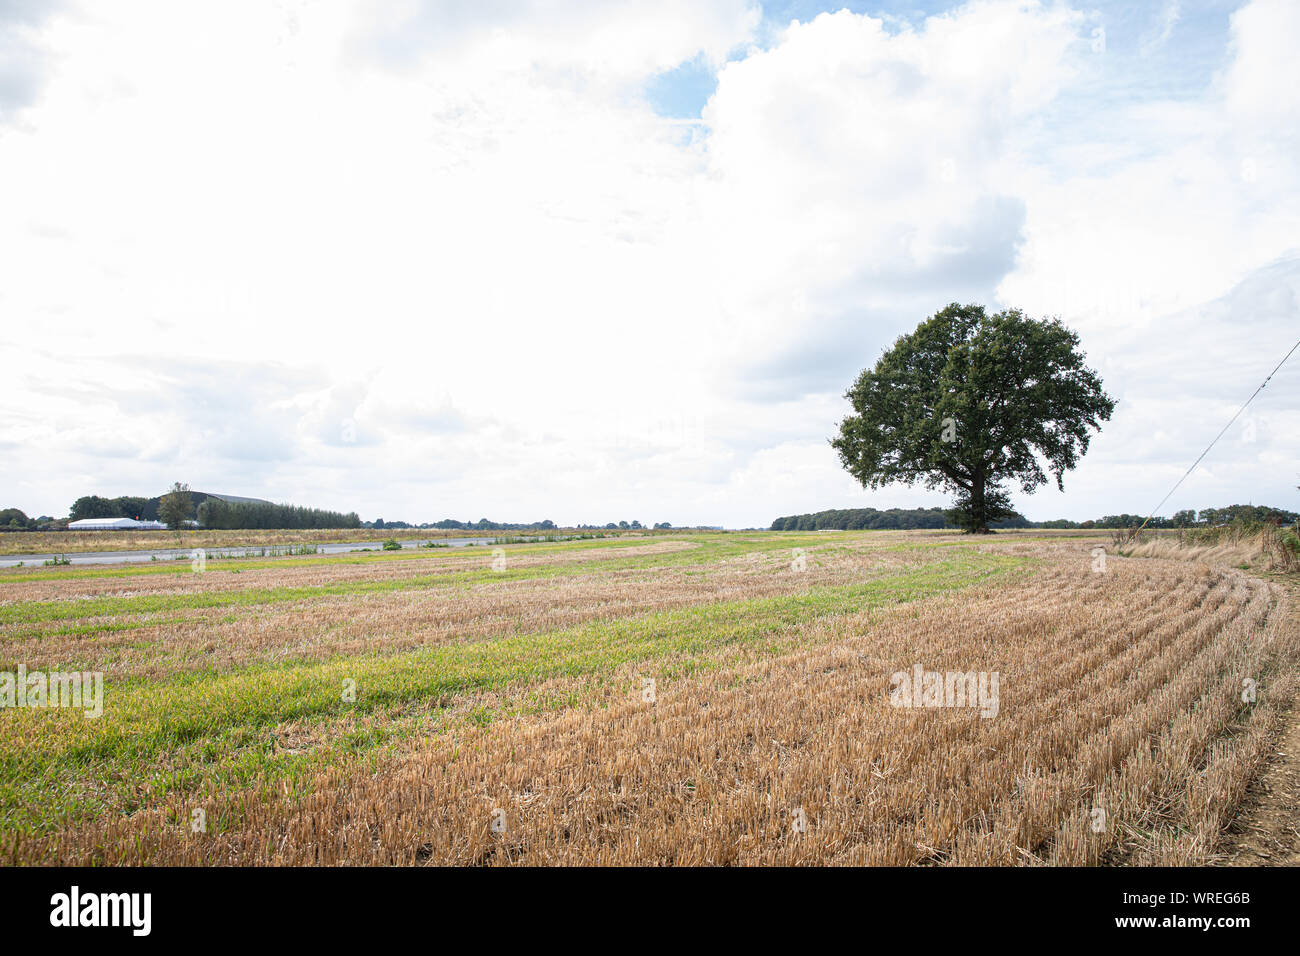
<point>115,524</point>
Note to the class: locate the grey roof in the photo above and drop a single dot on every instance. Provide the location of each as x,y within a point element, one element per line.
<point>240,499</point>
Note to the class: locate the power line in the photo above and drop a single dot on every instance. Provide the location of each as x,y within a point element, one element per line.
<point>1216,439</point>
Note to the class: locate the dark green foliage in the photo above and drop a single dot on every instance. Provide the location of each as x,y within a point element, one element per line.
<point>1127,521</point>
<point>176,507</point>
<point>869,519</point>
<point>864,519</point>
<point>1259,514</point>
<point>127,506</point>
<point>483,524</point>
<point>853,519</point>
<point>93,506</point>
<point>15,520</point>
<point>241,515</point>
<point>142,509</point>
<point>968,401</point>
<point>1232,514</point>
<point>971,519</point>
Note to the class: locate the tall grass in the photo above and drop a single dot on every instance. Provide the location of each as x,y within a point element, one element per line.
<point>1246,544</point>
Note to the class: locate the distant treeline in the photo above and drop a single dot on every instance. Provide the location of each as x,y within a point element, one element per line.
<point>242,515</point>
<point>451,524</point>
<point>484,524</point>
<point>15,519</point>
<point>213,512</point>
<point>1249,514</point>
<point>126,506</point>
<point>855,519</point>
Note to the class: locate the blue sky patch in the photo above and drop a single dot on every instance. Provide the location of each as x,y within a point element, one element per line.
<point>682,93</point>
<point>1170,48</point>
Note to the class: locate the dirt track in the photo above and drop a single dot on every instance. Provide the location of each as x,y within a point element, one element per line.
<point>1267,831</point>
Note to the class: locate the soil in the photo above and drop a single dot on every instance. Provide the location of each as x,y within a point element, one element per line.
<point>1267,829</point>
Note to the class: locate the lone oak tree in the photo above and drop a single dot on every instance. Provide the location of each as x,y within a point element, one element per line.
<point>969,401</point>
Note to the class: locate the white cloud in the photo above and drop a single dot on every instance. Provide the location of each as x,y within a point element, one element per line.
<point>1166,21</point>
<point>423,260</point>
<point>852,159</point>
<point>1207,192</point>
<point>606,42</point>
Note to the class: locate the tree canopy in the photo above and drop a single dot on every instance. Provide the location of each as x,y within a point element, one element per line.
<point>229,515</point>
<point>176,507</point>
<point>969,401</point>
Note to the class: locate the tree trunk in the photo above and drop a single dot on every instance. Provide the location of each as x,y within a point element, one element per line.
<point>978,512</point>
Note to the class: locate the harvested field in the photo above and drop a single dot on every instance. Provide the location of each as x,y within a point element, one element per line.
<point>76,542</point>
<point>687,699</point>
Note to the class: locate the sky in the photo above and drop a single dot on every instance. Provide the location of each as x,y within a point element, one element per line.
<point>593,262</point>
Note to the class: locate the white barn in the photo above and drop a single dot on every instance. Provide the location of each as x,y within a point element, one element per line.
<point>115,524</point>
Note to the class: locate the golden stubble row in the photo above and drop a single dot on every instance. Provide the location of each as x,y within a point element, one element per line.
<point>1119,692</point>
<point>85,582</point>
<point>314,629</point>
